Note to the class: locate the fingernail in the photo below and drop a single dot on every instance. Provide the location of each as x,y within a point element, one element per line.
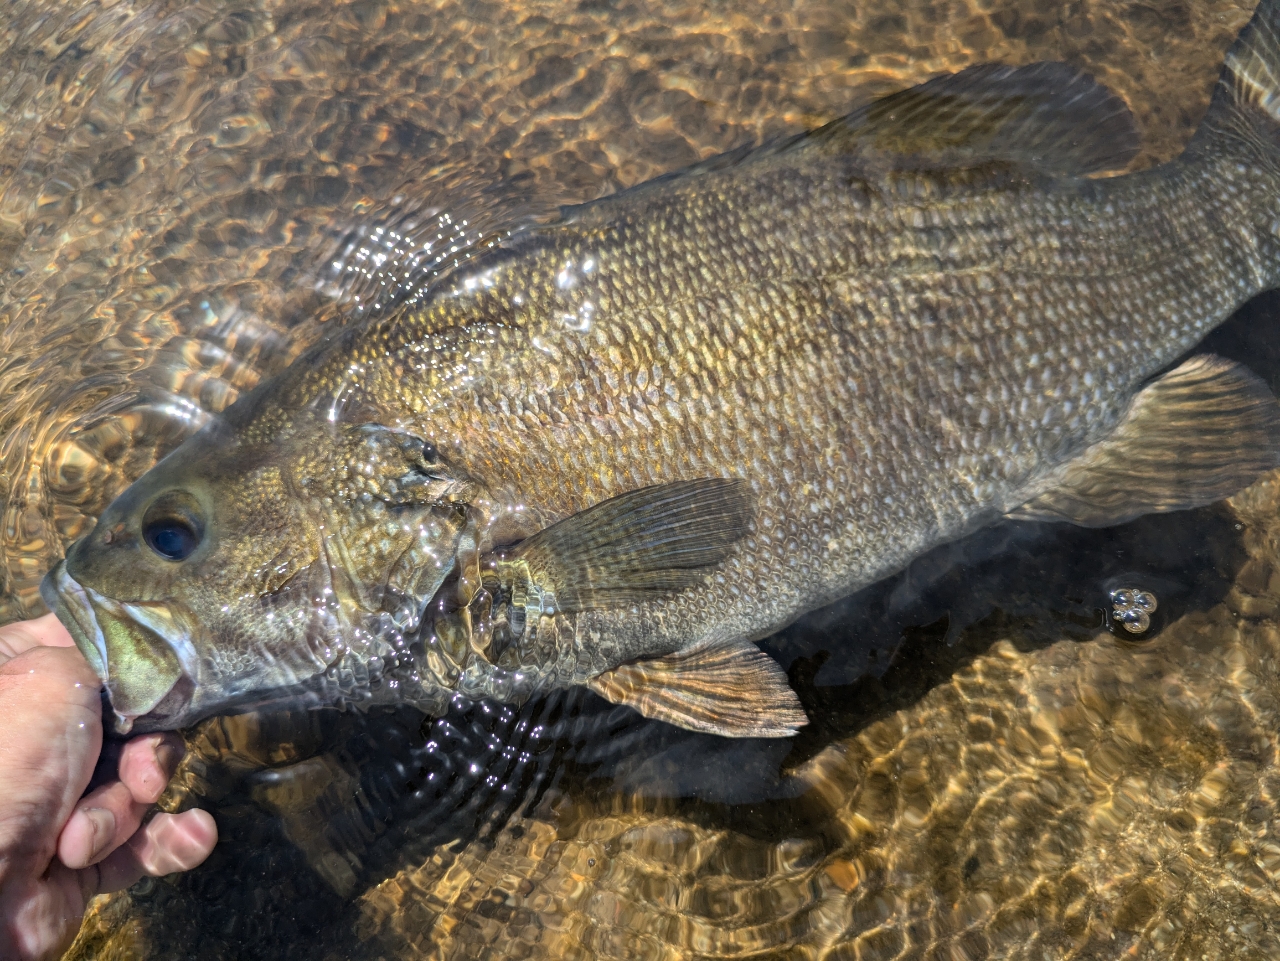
<point>168,753</point>
<point>103,823</point>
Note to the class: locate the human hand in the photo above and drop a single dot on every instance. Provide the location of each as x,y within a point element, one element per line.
<point>57,849</point>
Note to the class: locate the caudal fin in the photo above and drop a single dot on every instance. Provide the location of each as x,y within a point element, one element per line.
<point>1246,102</point>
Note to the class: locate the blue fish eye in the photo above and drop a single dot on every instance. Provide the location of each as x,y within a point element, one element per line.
<point>172,538</point>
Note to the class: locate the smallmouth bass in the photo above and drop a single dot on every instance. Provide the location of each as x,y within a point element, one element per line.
<point>616,450</point>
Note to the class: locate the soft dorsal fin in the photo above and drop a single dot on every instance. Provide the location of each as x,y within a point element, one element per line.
<point>655,539</point>
<point>1048,116</point>
<point>1196,435</point>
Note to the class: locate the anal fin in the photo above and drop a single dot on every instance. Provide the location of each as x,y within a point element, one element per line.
<point>1194,436</point>
<point>732,689</point>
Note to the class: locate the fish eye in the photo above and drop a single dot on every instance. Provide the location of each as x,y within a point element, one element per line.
<point>171,530</point>
<point>173,539</point>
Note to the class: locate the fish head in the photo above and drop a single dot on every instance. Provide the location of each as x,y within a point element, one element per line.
<point>238,571</point>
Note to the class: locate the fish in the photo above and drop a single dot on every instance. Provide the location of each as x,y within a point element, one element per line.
<point>619,448</point>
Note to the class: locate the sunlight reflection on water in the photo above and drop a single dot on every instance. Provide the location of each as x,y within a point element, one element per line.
<point>990,773</point>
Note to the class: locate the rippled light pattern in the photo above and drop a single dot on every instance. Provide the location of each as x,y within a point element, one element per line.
<point>191,194</point>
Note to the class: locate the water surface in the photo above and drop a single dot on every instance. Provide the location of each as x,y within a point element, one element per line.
<point>192,193</point>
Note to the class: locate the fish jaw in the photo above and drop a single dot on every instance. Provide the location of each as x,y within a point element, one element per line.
<point>147,655</point>
<point>143,653</point>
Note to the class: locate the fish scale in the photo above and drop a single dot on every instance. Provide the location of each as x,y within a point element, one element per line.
<point>616,449</point>
<point>950,463</point>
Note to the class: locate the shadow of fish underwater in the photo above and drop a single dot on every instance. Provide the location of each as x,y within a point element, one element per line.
<point>614,450</point>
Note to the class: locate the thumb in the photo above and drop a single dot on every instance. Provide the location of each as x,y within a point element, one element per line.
<point>49,743</point>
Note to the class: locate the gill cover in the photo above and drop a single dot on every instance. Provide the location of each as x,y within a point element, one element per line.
<point>395,513</point>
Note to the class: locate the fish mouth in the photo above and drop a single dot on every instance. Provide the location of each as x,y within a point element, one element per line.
<point>142,652</point>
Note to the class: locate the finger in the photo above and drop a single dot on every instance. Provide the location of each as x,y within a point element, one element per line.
<point>148,762</point>
<point>43,919</point>
<point>101,822</point>
<point>168,843</point>
<point>175,842</point>
<point>107,817</point>
<point>88,835</point>
<point>49,742</point>
<point>46,631</point>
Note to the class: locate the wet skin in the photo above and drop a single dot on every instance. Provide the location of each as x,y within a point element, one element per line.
<point>58,849</point>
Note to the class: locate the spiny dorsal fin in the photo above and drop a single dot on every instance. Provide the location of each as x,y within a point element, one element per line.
<point>1196,435</point>
<point>413,244</point>
<point>732,689</point>
<point>655,539</point>
<point>1048,116</point>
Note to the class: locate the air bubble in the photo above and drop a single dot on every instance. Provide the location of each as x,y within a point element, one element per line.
<point>1133,609</point>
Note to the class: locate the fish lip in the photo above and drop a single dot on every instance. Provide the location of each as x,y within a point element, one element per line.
<point>65,596</point>
<point>76,605</point>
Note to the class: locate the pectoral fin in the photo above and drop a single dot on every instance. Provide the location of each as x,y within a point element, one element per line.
<point>1198,434</point>
<point>623,550</point>
<point>732,689</point>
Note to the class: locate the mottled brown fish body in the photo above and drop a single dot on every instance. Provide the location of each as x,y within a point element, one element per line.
<point>888,333</point>
<point>891,358</point>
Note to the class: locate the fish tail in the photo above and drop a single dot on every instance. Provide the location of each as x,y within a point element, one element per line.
<point>1244,114</point>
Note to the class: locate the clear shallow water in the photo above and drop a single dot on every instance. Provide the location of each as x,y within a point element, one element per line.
<point>990,772</point>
